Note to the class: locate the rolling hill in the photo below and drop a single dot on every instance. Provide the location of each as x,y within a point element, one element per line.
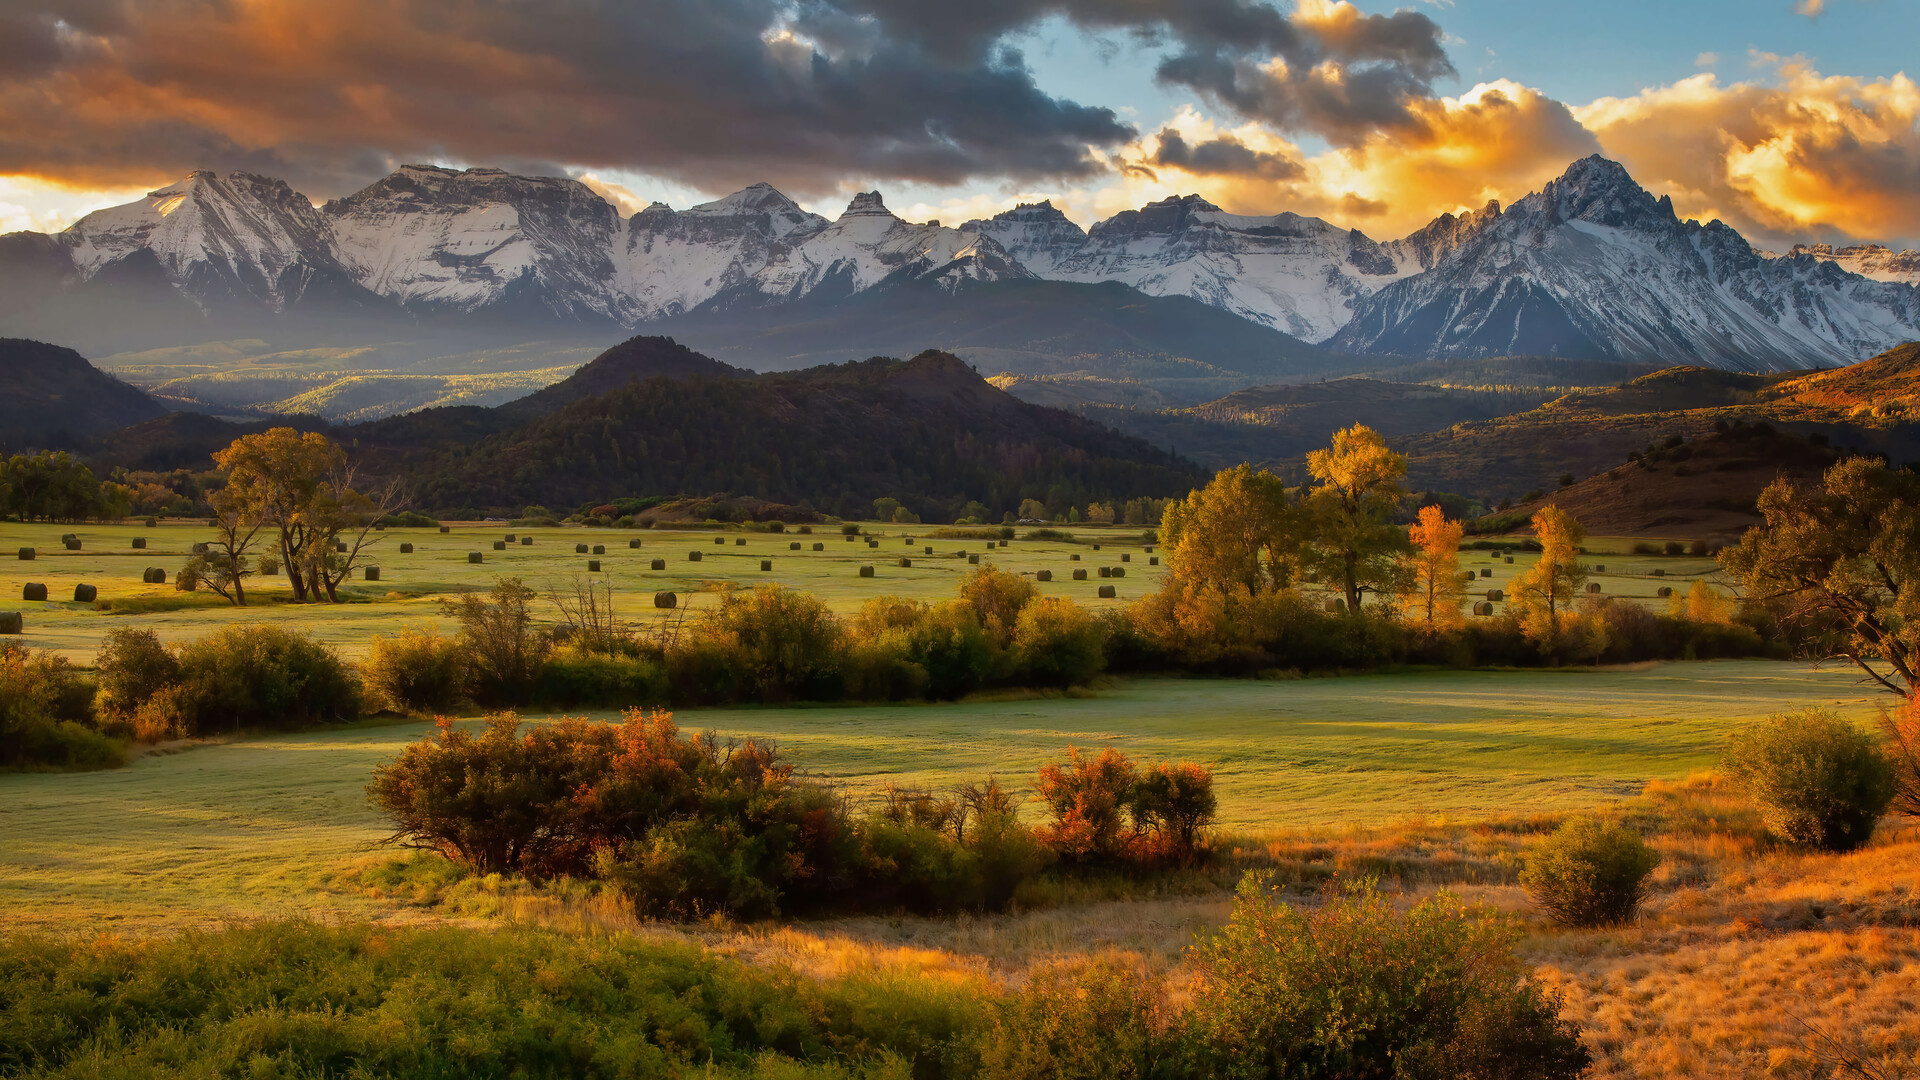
<point>52,397</point>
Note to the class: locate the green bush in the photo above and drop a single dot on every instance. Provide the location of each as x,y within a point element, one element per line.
<point>1589,872</point>
<point>1056,642</point>
<point>131,667</point>
<point>417,671</point>
<point>578,677</point>
<point>1173,803</point>
<point>1097,1021</point>
<point>951,646</point>
<point>785,644</point>
<point>258,675</point>
<point>503,652</point>
<point>44,711</point>
<point>408,519</point>
<point>1820,780</point>
<point>1352,987</point>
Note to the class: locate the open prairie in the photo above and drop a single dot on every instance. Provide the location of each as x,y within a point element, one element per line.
<point>411,585</point>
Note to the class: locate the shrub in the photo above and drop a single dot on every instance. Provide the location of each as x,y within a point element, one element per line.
<point>496,634</point>
<point>1175,803</point>
<point>1820,781</point>
<point>131,668</point>
<point>418,671</point>
<point>785,644</point>
<point>948,643</point>
<point>996,598</point>
<point>1088,798</point>
<point>408,519</point>
<point>1674,547</point>
<point>1589,872</point>
<point>1056,642</point>
<point>1353,988</point>
<point>1095,1021</point>
<point>258,675</point>
<point>43,709</point>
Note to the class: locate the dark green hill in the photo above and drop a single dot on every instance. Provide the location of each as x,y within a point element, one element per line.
<point>52,397</point>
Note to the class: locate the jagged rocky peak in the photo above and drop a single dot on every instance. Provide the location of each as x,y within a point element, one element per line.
<point>1599,191</point>
<point>440,187</point>
<point>867,204</point>
<point>759,207</point>
<point>1877,261</point>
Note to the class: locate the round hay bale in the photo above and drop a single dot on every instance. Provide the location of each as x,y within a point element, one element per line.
<point>34,591</point>
<point>866,571</point>
<point>1108,592</point>
<point>499,545</point>
<point>139,543</point>
<point>1043,575</point>
<point>1663,592</point>
<point>512,539</point>
<point>1659,572</point>
<point>739,541</point>
<point>378,527</point>
<point>719,539</point>
<point>339,545</point>
<point>84,594</point>
<point>527,541</point>
<point>599,549</point>
<point>1599,568</point>
<point>657,564</point>
<point>73,543</point>
<point>1125,557</point>
<point>1075,557</point>
<point>1485,572</point>
<point>579,549</point>
<point>1496,594</point>
<point>474,557</point>
<point>904,561</point>
<point>152,523</point>
<point>1149,549</point>
<point>793,545</point>
<point>12,622</point>
<point>1119,571</point>
<point>372,573</point>
<point>1154,561</point>
<point>666,600</point>
<point>805,530</point>
<point>1079,575</point>
<point>1335,606</point>
<point>973,560</point>
<point>928,551</point>
<point>1483,608</point>
<point>1509,558</point>
<point>630,543</point>
<point>818,546</point>
<point>766,565</point>
<point>593,566</point>
<point>406,549</point>
<point>1468,576</point>
<point>1096,547</point>
<point>1106,571</point>
<point>446,529</point>
<point>186,582</point>
<point>1593,586</point>
<point>694,556</point>
<point>873,543</point>
<point>26,554</point>
<point>907,540</point>
<point>199,549</point>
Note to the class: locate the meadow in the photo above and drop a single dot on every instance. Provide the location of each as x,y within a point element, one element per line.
<point>411,585</point>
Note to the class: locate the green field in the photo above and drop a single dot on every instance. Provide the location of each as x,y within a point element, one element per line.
<point>411,585</point>
<point>265,825</point>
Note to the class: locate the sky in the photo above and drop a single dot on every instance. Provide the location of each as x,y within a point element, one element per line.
<point>1793,120</point>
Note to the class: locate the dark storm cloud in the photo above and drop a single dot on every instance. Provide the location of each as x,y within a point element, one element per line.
<point>1223,156</point>
<point>713,92</point>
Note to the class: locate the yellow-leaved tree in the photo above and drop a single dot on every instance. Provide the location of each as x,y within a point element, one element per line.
<point>1544,595</point>
<point>1432,592</point>
<point>1239,531</point>
<point>1356,494</point>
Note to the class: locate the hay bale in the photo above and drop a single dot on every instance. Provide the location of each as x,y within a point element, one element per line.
<point>805,530</point>
<point>512,539</point>
<point>1593,586</point>
<point>666,600</point>
<point>739,541</point>
<point>152,523</point>
<point>199,549</point>
<point>1119,571</point>
<point>1335,607</point>
<point>1108,592</point>
<point>406,549</point>
<point>657,564</point>
<point>155,575</point>
<point>269,567</point>
<point>599,549</point>
<point>818,546</point>
<point>1124,557</point>
<point>593,566</point>
<point>873,543</point>
<point>12,622</point>
<point>339,545</point>
<point>446,529</point>
<point>1468,577</point>
<point>1496,594</point>
<point>1663,592</point>
<point>719,539</point>
<point>928,551</point>
<point>72,543</point>
<point>34,591</point>
<point>1149,549</point>
<point>84,594</point>
<point>1659,572</point>
<point>1483,608</point>
<point>1599,568</point>
<point>973,560</point>
<point>1154,561</point>
<point>630,544</point>
<point>377,527</point>
<point>1106,571</point>
<point>26,554</point>
<point>694,556</point>
<point>186,582</point>
<point>139,543</point>
<point>793,545</point>
<point>906,562</point>
<point>1075,557</point>
<point>474,557</point>
<point>372,573</point>
<point>1079,575</point>
<point>579,549</point>
<point>1509,559</point>
<point>866,571</point>
<point>1485,572</point>
<point>527,541</point>
<point>766,565</point>
<point>499,545</point>
<point>1043,575</point>
<point>1096,547</point>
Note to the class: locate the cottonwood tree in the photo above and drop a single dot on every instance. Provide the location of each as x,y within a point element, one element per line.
<point>1238,532</point>
<point>228,563</point>
<point>1848,554</point>
<point>1351,508</point>
<point>1545,593</point>
<point>1433,590</point>
<point>301,486</point>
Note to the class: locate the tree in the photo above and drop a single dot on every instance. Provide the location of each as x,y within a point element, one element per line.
<point>1848,554</point>
<point>1546,592</point>
<point>226,565</point>
<point>1433,588</point>
<point>884,509</point>
<point>50,487</point>
<point>1354,539</point>
<point>303,487</point>
<point>1240,531</point>
<point>1099,513</point>
<point>496,632</point>
<point>1032,510</point>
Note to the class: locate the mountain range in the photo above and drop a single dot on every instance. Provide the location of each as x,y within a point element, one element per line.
<point>1591,266</point>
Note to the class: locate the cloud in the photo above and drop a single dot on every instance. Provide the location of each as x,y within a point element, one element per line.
<point>1801,157</point>
<point>1706,59</point>
<point>1810,8</point>
<point>1223,155</point>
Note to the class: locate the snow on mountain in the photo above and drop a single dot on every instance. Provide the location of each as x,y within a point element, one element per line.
<point>1036,234</point>
<point>466,240</point>
<point>1876,261</point>
<point>863,247</point>
<point>1593,265</point>
<point>673,261</point>
<point>239,236</point>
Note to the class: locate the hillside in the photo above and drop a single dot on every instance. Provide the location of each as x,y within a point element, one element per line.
<point>50,396</point>
<point>929,432</point>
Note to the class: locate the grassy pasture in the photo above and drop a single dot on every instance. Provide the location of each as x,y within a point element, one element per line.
<point>411,584</point>
<point>268,825</point>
